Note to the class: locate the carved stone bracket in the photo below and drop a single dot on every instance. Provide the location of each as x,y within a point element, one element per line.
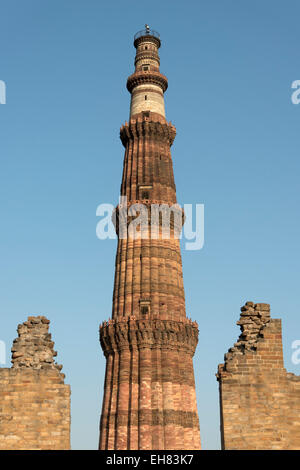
<point>153,126</point>
<point>149,333</point>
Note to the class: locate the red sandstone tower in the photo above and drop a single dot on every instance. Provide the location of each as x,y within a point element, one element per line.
<point>149,393</point>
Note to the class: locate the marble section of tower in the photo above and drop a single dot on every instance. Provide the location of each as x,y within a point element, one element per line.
<point>149,393</point>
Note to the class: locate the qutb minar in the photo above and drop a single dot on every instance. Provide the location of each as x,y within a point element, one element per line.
<point>149,393</point>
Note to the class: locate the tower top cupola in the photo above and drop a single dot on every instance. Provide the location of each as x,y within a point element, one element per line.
<point>145,35</point>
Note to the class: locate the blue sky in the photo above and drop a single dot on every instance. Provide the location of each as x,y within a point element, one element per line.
<point>230,67</point>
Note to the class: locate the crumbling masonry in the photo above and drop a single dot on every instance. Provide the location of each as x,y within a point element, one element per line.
<point>259,400</point>
<point>34,401</point>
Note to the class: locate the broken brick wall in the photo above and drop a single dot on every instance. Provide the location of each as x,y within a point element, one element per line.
<point>34,401</point>
<point>259,400</point>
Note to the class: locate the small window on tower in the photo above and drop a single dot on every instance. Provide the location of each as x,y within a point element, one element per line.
<point>146,47</point>
<point>145,191</point>
<point>145,97</point>
<point>145,67</point>
<point>144,310</point>
<point>145,307</point>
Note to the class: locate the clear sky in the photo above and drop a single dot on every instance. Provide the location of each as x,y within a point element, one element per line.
<point>230,66</point>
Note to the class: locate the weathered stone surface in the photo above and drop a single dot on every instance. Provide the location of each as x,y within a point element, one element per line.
<point>259,400</point>
<point>34,401</point>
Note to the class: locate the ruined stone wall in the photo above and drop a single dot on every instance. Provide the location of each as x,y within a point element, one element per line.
<point>259,400</point>
<point>34,401</point>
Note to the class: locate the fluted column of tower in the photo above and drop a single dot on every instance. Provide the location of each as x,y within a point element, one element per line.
<point>149,393</point>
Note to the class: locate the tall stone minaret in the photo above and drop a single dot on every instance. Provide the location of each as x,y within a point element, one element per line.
<point>149,393</point>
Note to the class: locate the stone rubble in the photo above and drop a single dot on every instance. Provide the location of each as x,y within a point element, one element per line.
<point>253,319</point>
<point>34,348</point>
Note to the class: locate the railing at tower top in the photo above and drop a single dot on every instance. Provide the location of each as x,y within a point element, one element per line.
<point>146,32</point>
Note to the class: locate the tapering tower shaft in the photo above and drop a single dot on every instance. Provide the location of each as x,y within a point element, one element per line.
<point>149,394</point>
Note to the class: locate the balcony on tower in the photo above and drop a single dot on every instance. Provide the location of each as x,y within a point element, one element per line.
<point>146,33</point>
